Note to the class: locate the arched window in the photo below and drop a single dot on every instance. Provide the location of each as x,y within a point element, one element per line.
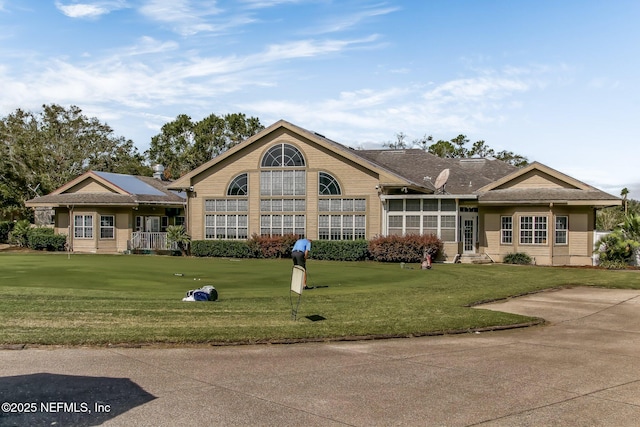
<point>238,186</point>
<point>282,155</point>
<point>328,185</point>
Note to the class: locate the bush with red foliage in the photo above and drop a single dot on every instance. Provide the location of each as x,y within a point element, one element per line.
<point>409,248</point>
<point>272,246</point>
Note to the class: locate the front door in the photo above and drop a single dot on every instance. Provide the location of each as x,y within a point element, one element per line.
<point>153,224</point>
<point>469,224</point>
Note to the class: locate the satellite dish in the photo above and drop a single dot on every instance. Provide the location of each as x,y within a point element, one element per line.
<point>442,178</point>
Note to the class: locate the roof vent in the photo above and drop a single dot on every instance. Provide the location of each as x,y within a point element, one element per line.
<point>158,172</point>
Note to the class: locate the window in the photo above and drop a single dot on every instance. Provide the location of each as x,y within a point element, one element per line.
<point>448,228</point>
<point>533,230</point>
<point>178,220</point>
<point>341,227</point>
<point>562,229</point>
<point>423,216</point>
<point>278,225</point>
<point>328,185</point>
<point>83,226</point>
<point>226,227</point>
<point>225,219</point>
<point>283,183</point>
<point>238,186</point>
<point>506,230</point>
<point>107,227</point>
<point>164,223</point>
<point>282,155</point>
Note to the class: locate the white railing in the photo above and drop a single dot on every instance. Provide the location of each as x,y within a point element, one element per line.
<point>154,241</point>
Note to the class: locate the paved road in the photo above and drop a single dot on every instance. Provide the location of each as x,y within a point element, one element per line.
<point>580,369</point>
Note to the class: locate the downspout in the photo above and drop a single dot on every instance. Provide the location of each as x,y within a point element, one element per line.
<point>70,227</point>
<point>552,235</point>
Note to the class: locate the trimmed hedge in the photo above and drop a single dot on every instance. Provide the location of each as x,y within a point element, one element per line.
<point>387,249</point>
<point>340,250</point>
<point>221,248</point>
<point>44,239</point>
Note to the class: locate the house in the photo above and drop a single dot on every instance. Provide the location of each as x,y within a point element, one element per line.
<point>105,212</point>
<point>287,179</point>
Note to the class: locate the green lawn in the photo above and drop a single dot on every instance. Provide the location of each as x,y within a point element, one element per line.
<point>114,299</point>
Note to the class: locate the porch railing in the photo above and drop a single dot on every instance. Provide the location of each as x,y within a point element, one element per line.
<point>153,241</point>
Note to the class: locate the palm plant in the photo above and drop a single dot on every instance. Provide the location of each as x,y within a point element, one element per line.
<point>622,244</point>
<point>178,234</point>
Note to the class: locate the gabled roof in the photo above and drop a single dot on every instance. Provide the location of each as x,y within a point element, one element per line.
<point>423,168</point>
<point>538,183</point>
<point>105,188</point>
<point>346,152</point>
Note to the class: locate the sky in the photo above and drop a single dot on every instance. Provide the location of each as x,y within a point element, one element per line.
<point>555,81</point>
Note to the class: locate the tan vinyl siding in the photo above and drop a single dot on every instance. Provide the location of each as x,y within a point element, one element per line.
<point>355,182</point>
<point>89,186</point>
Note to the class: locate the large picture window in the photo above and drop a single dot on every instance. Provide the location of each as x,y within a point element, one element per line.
<point>283,183</point>
<point>226,219</point>
<point>83,226</point>
<point>533,230</point>
<point>341,227</point>
<point>423,216</point>
<point>279,225</point>
<point>222,226</point>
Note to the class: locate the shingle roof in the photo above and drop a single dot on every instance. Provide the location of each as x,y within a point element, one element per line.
<point>139,190</point>
<point>422,168</point>
<point>546,195</point>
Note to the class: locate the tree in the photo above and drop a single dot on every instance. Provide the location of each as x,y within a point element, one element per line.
<point>41,151</point>
<point>624,193</point>
<point>399,144</point>
<point>182,145</point>
<point>456,148</point>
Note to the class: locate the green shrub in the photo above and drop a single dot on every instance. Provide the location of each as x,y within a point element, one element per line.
<point>614,265</point>
<point>340,250</point>
<point>410,248</point>
<point>517,258</point>
<point>5,229</point>
<point>221,248</point>
<point>43,238</point>
<point>18,236</point>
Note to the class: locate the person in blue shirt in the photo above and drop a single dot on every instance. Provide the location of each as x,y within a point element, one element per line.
<point>299,254</point>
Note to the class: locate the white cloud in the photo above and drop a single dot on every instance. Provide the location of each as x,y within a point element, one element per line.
<point>184,16</point>
<point>348,21</point>
<point>90,9</point>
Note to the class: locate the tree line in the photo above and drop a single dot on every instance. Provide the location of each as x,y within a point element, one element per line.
<point>41,151</point>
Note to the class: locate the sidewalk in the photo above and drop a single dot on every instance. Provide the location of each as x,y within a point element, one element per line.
<point>580,369</point>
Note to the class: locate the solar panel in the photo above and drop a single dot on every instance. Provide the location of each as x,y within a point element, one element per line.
<point>130,183</point>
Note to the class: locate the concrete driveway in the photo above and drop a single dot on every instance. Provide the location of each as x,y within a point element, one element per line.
<point>580,369</point>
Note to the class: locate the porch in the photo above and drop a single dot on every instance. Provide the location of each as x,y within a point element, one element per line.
<point>150,241</point>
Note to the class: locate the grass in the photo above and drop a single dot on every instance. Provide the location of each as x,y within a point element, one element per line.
<point>116,299</point>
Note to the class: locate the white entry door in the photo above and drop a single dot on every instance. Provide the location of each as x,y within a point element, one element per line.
<point>469,233</point>
<point>152,224</point>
